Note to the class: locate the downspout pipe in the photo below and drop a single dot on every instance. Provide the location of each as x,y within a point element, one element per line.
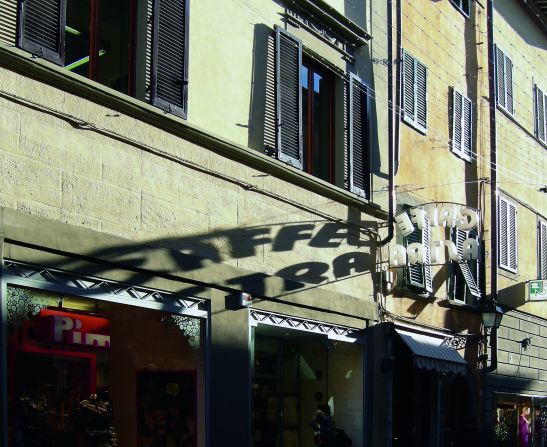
<point>393,136</point>
<point>494,252</point>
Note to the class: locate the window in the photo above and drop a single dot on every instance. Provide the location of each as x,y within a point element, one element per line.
<point>504,82</point>
<point>96,39</point>
<point>540,101</point>
<point>462,126</point>
<point>507,235</point>
<point>306,95</point>
<point>463,282</point>
<point>414,92</point>
<point>419,275</point>
<point>462,5</point>
<point>542,249</point>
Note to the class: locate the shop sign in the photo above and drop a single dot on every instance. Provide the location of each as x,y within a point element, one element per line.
<point>443,215</point>
<point>538,290</point>
<point>73,329</point>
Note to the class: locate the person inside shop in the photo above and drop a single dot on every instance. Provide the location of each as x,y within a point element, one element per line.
<point>524,427</point>
<point>326,433</point>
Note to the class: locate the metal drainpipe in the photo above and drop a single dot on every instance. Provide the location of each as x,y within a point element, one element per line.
<point>493,183</point>
<point>391,122</point>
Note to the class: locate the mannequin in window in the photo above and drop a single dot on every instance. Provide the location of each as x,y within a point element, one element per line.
<point>524,427</point>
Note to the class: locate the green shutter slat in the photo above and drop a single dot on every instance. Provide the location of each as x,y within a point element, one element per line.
<point>358,157</point>
<point>41,28</point>
<point>289,99</point>
<point>169,57</point>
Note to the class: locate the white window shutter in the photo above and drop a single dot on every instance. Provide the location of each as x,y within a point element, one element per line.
<point>512,236</point>
<point>503,234</point>
<point>409,87</point>
<point>500,78</point>
<point>421,95</point>
<point>542,249</point>
<point>510,107</point>
<point>426,239</point>
<point>467,125</point>
<point>508,236</point>
<point>457,130</point>
<point>419,275</point>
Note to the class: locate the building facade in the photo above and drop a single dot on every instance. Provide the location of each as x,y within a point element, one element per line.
<point>218,217</point>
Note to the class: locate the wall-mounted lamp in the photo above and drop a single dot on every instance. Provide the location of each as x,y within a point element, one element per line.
<point>491,315</point>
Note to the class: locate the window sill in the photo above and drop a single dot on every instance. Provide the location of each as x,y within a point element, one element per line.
<point>459,305</point>
<point>18,60</point>
<point>415,126</point>
<point>461,156</point>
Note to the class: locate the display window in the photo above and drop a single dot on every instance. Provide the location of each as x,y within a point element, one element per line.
<point>83,372</point>
<point>520,420</point>
<point>306,388</point>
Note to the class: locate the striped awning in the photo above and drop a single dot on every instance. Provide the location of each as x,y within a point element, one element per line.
<point>428,353</point>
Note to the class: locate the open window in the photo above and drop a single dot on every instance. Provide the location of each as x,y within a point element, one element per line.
<point>97,39</point>
<point>309,122</point>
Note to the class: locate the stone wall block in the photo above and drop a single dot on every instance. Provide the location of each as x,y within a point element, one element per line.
<point>530,327</point>
<point>98,200</point>
<point>30,180</point>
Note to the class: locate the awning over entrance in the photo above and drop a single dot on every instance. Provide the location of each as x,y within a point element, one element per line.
<point>429,354</point>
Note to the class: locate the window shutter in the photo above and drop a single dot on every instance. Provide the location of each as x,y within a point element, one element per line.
<point>461,236</point>
<point>500,77</point>
<point>457,123</point>
<point>409,100</point>
<point>421,95</point>
<point>507,225</point>
<point>542,237</point>
<point>467,125</point>
<point>503,233</point>
<point>358,144</point>
<point>170,56</point>
<point>419,275</point>
<point>289,99</point>
<point>42,28</point>
<point>512,235</point>
<point>509,85</point>
<point>540,114</point>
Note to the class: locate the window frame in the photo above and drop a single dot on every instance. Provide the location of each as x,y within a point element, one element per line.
<point>463,152</point>
<point>413,119</point>
<point>507,87</point>
<point>542,248</point>
<point>458,4</point>
<point>540,126</point>
<point>511,231</point>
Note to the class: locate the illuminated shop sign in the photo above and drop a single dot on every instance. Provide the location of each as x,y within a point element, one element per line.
<point>73,329</point>
<point>431,216</point>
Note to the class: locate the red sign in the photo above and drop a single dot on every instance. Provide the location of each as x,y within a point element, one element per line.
<point>73,329</point>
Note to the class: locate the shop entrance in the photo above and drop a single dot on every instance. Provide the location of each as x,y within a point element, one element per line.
<point>296,372</point>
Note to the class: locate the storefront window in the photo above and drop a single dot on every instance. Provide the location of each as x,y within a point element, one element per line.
<point>295,374</point>
<point>520,420</point>
<point>89,373</point>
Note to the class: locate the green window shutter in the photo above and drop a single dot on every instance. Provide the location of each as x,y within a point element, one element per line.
<point>359,137</point>
<point>288,57</point>
<point>421,95</point>
<point>500,78</point>
<point>409,88</point>
<point>539,99</point>
<point>457,125</point>
<point>169,78</point>
<point>542,249</point>
<point>42,28</point>
<point>461,236</point>
<point>419,275</point>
